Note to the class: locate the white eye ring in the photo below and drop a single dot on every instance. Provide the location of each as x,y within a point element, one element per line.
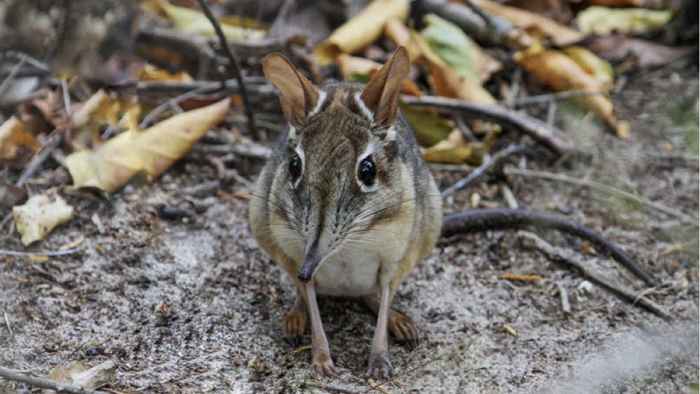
<point>367,153</point>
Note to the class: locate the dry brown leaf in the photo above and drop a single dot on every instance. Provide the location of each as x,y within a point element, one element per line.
<point>362,30</point>
<point>593,65</point>
<point>400,35</point>
<point>455,150</point>
<point>16,143</point>
<point>39,215</point>
<point>558,10</point>
<point>618,47</point>
<point>631,3</point>
<point>559,72</point>
<point>150,72</point>
<point>152,151</point>
<point>535,24</point>
<point>603,20</point>
<point>354,68</point>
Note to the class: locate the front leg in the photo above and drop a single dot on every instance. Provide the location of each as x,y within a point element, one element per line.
<point>320,352</point>
<point>379,364</point>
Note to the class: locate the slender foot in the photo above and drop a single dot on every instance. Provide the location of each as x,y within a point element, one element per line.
<point>294,322</point>
<point>380,366</point>
<point>320,352</point>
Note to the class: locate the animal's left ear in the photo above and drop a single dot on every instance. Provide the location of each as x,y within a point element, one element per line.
<point>381,96</point>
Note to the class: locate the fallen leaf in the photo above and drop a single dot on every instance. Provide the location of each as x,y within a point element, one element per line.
<point>111,165</point>
<point>361,30</point>
<point>560,73</point>
<point>510,330</point>
<point>400,35</point>
<point>354,68</point>
<point>455,150</point>
<point>618,47</point>
<point>603,20</point>
<point>456,49</point>
<point>150,72</point>
<point>76,373</point>
<point>191,21</point>
<point>593,65</point>
<point>39,215</point>
<point>429,126</point>
<point>445,81</point>
<point>535,24</point>
<point>520,277</point>
<point>17,145</point>
<point>631,3</point>
<point>558,10</point>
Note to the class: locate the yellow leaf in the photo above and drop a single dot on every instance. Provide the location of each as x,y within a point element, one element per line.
<point>400,35</point>
<point>603,21</point>
<point>593,65</point>
<point>429,126</point>
<point>355,68</point>
<point>455,150</point>
<point>191,21</point>
<point>560,72</point>
<point>152,151</point>
<point>150,72</point>
<point>362,30</point>
<point>533,23</point>
<point>39,215</point>
<point>15,141</point>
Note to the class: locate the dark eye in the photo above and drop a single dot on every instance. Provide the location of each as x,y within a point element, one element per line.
<point>366,172</point>
<point>295,167</point>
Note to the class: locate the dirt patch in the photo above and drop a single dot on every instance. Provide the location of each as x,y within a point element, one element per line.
<point>192,305</point>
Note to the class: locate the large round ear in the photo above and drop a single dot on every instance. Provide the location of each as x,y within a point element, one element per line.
<point>381,95</point>
<point>298,95</point>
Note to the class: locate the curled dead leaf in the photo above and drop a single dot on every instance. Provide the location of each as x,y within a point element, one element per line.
<point>16,143</point>
<point>603,20</point>
<point>455,150</point>
<point>152,151</point>
<point>360,31</point>
<point>534,24</point>
<point>354,68</point>
<point>560,73</point>
<point>39,215</point>
<point>593,65</point>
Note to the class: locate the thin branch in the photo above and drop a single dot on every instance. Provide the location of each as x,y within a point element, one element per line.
<point>572,260</point>
<point>40,253</point>
<point>478,172</point>
<point>535,128</point>
<point>54,141</point>
<point>480,220</point>
<point>153,115</point>
<point>546,98</point>
<point>233,64</point>
<point>13,73</point>
<point>605,189</point>
<point>44,383</point>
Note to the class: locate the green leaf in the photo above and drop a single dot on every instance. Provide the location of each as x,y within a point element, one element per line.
<point>452,45</point>
<point>429,126</point>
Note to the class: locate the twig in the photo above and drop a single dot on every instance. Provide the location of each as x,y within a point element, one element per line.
<point>535,128</point>
<point>13,73</point>
<point>480,220</point>
<point>509,197</point>
<point>38,159</point>
<point>572,260</point>
<point>605,189</point>
<point>148,119</point>
<point>7,323</point>
<point>40,253</point>
<point>233,64</point>
<point>478,172</point>
<point>44,383</point>
<point>546,98</point>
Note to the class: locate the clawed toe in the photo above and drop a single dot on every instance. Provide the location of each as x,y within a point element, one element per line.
<point>294,327</point>
<point>323,365</point>
<point>379,366</point>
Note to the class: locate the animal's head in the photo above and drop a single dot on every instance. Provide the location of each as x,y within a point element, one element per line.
<point>341,174</point>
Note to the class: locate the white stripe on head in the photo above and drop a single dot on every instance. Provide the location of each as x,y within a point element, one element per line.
<point>321,98</point>
<point>292,135</point>
<point>365,111</point>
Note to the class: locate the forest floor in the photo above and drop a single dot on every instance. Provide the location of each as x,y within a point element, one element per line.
<point>193,305</point>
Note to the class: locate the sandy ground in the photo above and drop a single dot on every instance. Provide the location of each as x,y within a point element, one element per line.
<point>193,306</point>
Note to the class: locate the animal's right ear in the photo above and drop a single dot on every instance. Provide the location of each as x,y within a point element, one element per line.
<point>298,95</point>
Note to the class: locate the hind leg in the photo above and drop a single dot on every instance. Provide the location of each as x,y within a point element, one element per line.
<point>400,325</point>
<point>294,322</point>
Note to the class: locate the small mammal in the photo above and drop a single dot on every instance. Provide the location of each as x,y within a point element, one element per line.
<point>346,204</point>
